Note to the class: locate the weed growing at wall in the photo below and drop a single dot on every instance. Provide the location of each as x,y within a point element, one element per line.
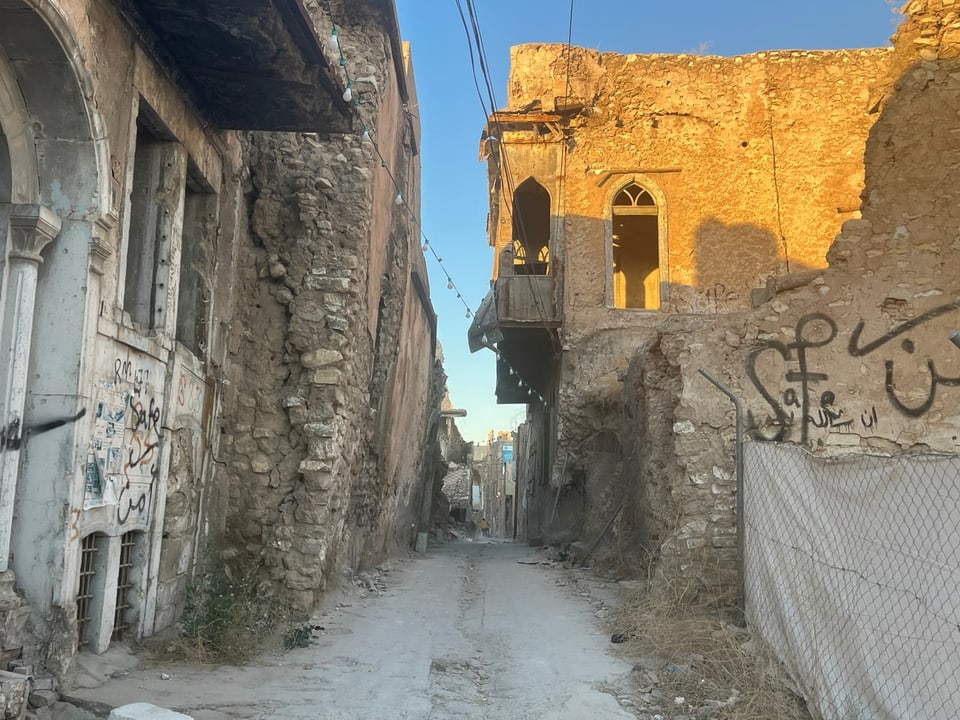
<point>228,617</point>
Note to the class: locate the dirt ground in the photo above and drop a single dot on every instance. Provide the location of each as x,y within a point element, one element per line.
<point>471,630</point>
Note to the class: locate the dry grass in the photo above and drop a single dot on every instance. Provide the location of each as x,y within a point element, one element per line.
<point>229,618</point>
<point>720,670</point>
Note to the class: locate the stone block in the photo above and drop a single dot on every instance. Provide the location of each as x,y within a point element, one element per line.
<point>326,376</point>
<point>42,698</point>
<point>145,711</point>
<point>320,357</point>
<point>14,689</point>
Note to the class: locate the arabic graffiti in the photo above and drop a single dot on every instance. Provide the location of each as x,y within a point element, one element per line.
<point>811,331</point>
<point>123,464</point>
<point>714,300</point>
<point>936,379</point>
<point>807,404</point>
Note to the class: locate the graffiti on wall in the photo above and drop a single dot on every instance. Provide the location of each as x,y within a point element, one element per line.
<point>124,460</point>
<point>802,399</point>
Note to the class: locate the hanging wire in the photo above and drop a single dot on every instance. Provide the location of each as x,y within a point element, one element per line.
<point>366,137</point>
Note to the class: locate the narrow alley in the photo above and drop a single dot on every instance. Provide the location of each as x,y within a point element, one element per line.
<point>468,631</point>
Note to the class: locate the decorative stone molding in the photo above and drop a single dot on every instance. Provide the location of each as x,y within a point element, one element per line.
<point>32,228</point>
<point>102,244</point>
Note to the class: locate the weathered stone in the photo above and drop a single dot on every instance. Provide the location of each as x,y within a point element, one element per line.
<point>326,376</point>
<point>323,430</point>
<point>320,358</point>
<point>260,464</point>
<point>13,694</point>
<point>145,711</point>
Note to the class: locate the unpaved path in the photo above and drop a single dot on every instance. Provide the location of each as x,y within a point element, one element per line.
<point>465,632</point>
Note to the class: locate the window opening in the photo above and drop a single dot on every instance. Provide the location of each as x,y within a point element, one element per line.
<point>636,249</point>
<point>88,570</point>
<point>155,196</point>
<point>125,586</point>
<point>199,237</point>
<point>531,229</point>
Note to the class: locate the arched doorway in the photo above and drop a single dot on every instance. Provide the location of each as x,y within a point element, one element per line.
<point>53,192</point>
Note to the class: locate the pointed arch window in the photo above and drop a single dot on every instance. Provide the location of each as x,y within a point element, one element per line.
<point>636,249</point>
<point>531,229</point>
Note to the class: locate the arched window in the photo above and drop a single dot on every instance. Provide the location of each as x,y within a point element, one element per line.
<point>636,249</point>
<point>531,228</point>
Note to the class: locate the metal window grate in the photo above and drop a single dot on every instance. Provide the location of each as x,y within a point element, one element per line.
<point>88,569</point>
<point>128,543</point>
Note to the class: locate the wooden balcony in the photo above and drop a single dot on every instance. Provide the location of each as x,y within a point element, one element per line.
<point>527,300</point>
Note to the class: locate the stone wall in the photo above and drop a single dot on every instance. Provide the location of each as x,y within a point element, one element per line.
<point>855,357</point>
<point>231,333</point>
<point>331,382</point>
<point>754,163</point>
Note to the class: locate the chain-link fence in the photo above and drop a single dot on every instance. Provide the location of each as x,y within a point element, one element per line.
<point>853,577</point>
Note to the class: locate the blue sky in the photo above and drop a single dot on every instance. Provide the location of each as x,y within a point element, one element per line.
<point>454,187</point>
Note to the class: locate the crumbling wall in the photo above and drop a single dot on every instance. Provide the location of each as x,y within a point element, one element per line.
<point>754,162</point>
<point>855,357</point>
<point>330,394</point>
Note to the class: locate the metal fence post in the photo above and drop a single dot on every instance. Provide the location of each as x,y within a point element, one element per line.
<point>738,459</point>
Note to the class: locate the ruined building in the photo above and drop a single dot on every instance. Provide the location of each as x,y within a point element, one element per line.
<point>214,314</point>
<point>629,189</point>
<point>787,223</point>
<point>784,221</point>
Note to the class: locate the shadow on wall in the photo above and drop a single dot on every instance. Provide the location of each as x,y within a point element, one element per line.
<point>730,261</point>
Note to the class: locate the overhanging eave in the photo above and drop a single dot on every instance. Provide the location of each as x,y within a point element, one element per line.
<point>247,64</point>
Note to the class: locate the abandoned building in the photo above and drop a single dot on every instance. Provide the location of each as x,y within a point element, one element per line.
<point>494,467</point>
<point>786,223</point>
<point>633,188</point>
<point>216,329</point>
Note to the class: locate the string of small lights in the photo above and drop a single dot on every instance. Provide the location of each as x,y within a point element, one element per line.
<point>367,138</point>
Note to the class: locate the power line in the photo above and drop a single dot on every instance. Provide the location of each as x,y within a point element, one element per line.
<point>517,220</point>
<point>367,137</point>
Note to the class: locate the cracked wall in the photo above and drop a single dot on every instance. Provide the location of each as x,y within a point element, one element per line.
<point>332,387</point>
<point>851,358</point>
<point>754,163</point>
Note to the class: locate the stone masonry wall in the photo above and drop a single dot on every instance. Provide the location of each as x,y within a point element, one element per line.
<point>853,358</point>
<point>755,162</point>
<point>325,456</point>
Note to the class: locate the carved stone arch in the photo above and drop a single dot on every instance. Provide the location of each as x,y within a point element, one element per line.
<point>660,200</point>
<point>17,145</point>
<point>65,128</point>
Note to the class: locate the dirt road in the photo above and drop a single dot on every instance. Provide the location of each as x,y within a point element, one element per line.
<point>465,632</point>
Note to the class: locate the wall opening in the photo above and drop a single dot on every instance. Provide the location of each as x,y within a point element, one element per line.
<point>199,227</point>
<point>124,614</point>
<point>636,249</point>
<point>154,184</point>
<point>89,588</point>
<point>531,229</point>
